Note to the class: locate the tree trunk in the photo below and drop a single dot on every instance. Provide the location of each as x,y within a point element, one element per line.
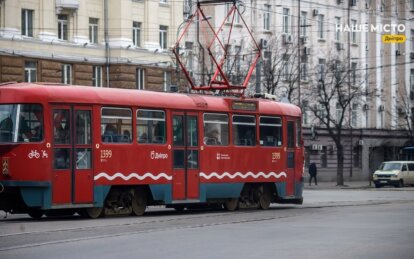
<point>340,163</point>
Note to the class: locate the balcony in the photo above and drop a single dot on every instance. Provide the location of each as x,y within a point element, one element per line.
<point>70,5</point>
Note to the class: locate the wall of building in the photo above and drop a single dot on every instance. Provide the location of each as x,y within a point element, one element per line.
<point>118,56</point>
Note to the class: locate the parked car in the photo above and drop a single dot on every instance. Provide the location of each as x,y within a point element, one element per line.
<point>394,173</point>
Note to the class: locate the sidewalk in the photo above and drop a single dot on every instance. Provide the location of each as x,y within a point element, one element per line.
<point>332,185</point>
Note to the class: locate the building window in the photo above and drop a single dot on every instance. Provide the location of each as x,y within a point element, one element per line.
<point>67,74</point>
<point>237,59</point>
<point>285,68</point>
<point>338,112</point>
<point>230,18</point>
<point>412,116</point>
<point>163,36</point>
<point>189,55</point>
<point>304,71</point>
<point>353,33</point>
<point>303,21</point>
<point>187,8</point>
<point>27,22</point>
<point>97,76</point>
<point>62,27</point>
<point>140,76</point>
<point>321,113</point>
<point>286,21</point>
<point>227,48</point>
<point>354,115</point>
<point>93,30</point>
<point>321,18</point>
<point>412,4</point>
<point>266,17</point>
<point>354,73</point>
<point>412,80</point>
<point>227,10</point>
<point>337,71</point>
<point>324,159</point>
<point>163,1</point>
<point>30,71</point>
<point>305,117</point>
<point>337,32</point>
<point>267,60</point>
<point>321,69</point>
<point>136,34</point>
<point>167,80</point>
<point>412,40</point>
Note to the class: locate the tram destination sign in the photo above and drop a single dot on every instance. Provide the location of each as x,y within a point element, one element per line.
<point>244,106</point>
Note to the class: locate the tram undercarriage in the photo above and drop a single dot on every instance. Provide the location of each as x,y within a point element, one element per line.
<point>133,200</point>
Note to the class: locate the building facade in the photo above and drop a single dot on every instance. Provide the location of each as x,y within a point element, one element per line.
<point>301,40</point>
<point>96,43</point>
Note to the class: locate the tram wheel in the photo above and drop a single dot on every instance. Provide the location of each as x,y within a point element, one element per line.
<point>94,212</point>
<point>139,202</point>
<point>231,204</point>
<point>265,198</point>
<point>35,213</point>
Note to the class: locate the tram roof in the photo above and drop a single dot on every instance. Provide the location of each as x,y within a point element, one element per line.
<point>55,93</point>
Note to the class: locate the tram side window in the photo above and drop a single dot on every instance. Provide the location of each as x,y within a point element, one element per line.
<point>151,126</point>
<point>290,134</point>
<point>21,123</point>
<point>244,130</point>
<point>116,125</point>
<point>216,129</point>
<point>61,126</point>
<point>270,131</point>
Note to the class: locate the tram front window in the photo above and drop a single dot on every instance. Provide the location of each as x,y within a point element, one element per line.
<point>21,123</point>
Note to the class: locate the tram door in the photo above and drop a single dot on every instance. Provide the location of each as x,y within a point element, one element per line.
<point>72,155</point>
<point>290,152</point>
<point>185,156</point>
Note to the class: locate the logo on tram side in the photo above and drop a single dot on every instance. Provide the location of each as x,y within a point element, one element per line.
<point>156,155</point>
<point>221,156</point>
<point>5,166</point>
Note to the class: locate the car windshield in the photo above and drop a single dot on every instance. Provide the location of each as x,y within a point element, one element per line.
<point>390,166</point>
<point>21,123</point>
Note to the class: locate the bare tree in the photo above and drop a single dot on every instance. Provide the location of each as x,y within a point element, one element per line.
<point>404,118</point>
<point>336,87</point>
<point>280,73</point>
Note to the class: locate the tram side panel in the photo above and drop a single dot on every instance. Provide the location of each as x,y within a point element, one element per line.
<point>26,179</point>
<point>132,161</point>
<point>226,170</point>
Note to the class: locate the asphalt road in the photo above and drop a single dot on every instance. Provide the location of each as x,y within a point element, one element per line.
<point>360,223</point>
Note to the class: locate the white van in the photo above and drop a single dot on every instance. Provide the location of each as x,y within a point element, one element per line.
<point>395,173</point>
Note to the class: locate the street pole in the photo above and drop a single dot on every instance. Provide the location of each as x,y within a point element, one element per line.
<point>349,94</point>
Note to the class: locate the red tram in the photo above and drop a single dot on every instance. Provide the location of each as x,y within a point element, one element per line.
<point>101,151</point>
